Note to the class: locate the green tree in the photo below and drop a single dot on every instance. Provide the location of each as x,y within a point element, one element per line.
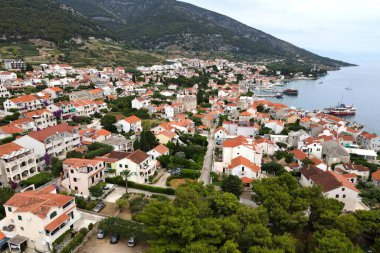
<point>124,228</point>
<point>233,185</point>
<point>56,166</point>
<point>224,203</point>
<point>333,241</point>
<point>108,122</point>
<point>255,235</point>
<point>122,203</point>
<point>96,190</point>
<point>5,195</point>
<point>349,225</point>
<point>74,154</point>
<point>272,168</point>
<point>126,174</point>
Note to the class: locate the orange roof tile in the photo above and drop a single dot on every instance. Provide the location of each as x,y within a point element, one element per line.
<point>57,222</point>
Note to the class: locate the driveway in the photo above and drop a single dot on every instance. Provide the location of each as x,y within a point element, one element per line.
<point>119,191</point>
<point>94,245</point>
<point>208,160</point>
<point>162,181</point>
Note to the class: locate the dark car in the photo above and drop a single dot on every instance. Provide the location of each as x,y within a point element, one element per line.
<point>99,207</point>
<point>131,242</point>
<point>114,239</point>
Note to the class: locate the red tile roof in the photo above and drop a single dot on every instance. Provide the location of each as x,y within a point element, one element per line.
<point>57,222</point>
<point>47,132</point>
<point>37,202</point>
<point>132,119</point>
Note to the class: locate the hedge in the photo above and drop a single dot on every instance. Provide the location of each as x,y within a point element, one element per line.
<point>192,174</point>
<point>121,182</point>
<point>38,180</point>
<point>76,241</point>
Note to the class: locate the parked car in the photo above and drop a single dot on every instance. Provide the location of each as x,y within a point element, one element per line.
<point>99,207</point>
<point>131,242</point>
<point>114,239</point>
<point>101,234</point>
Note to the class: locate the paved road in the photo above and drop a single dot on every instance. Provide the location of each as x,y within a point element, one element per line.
<point>209,159</point>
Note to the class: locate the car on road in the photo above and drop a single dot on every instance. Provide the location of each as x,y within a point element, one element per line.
<point>101,234</point>
<point>114,238</point>
<point>131,242</point>
<point>99,207</point>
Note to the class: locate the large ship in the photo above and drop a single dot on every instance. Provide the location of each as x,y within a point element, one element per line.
<point>341,110</point>
<point>291,92</point>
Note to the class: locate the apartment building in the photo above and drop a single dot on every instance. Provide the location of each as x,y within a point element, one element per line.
<point>40,217</point>
<point>23,103</point>
<point>16,163</point>
<point>80,174</point>
<point>42,118</point>
<point>50,142</point>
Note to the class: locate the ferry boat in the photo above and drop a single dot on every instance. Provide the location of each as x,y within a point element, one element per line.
<point>291,92</point>
<point>341,110</point>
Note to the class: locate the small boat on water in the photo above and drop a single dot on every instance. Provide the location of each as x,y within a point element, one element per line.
<point>341,110</point>
<point>291,92</point>
<point>348,88</point>
<point>320,82</point>
<point>279,95</point>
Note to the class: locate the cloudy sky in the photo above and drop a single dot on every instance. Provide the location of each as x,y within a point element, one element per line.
<point>329,27</point>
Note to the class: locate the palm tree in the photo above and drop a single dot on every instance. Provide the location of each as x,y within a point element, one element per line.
<point>126,174</point>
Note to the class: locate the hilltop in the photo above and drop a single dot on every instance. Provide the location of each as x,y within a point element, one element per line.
<point>174,27</point>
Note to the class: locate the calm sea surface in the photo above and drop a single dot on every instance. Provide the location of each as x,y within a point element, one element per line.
<point>364,81</point>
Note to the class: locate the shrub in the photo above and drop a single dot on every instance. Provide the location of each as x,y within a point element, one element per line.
<point>90,226</point>
<point>192,174</point>
<point>121,182</point>
<point>76,241</point>
<point>38,180</point>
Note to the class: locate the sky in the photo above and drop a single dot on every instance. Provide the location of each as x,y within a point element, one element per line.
<point>336,28</point>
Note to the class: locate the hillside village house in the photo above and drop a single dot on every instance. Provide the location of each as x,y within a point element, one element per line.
<point>241,146</point>
<point>53,141</point>
<point>23,103</point>
<point>369,141</point>
<point>356,169</point>
<point>4,93</point>
<point>80,174</point>
<point>140,164</point>
<point>244,169</point>
<point>39,217</point>
<point>167,136</point>
<point>140,102</point>
<point>128,124</point>
<point>333,186</point>
<point>5,75</point>
<point>42,118</point>
<point>158,151</point>
<point>16,163</point>
<point>376,178</point>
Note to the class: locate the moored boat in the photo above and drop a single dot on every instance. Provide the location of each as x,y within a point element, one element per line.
<point>341,110</point>
<point>291,92</point>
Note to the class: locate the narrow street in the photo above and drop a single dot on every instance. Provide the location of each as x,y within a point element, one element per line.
<point>209,159</point>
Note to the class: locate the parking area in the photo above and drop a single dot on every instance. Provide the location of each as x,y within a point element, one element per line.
<point>94,245</point>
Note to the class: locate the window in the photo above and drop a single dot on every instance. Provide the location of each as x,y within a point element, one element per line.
<point>337,196</point>
<point>19,217</point>
<point>75,179</point>
<point>76,188</point>
<point>120,165</point>
<point>53,214</point>
<point>72,171</point>
<point>22,228</point>
<point>344,196</point>
<point>242,168</point>
<point>343,189</point>
<point>9,209</point>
